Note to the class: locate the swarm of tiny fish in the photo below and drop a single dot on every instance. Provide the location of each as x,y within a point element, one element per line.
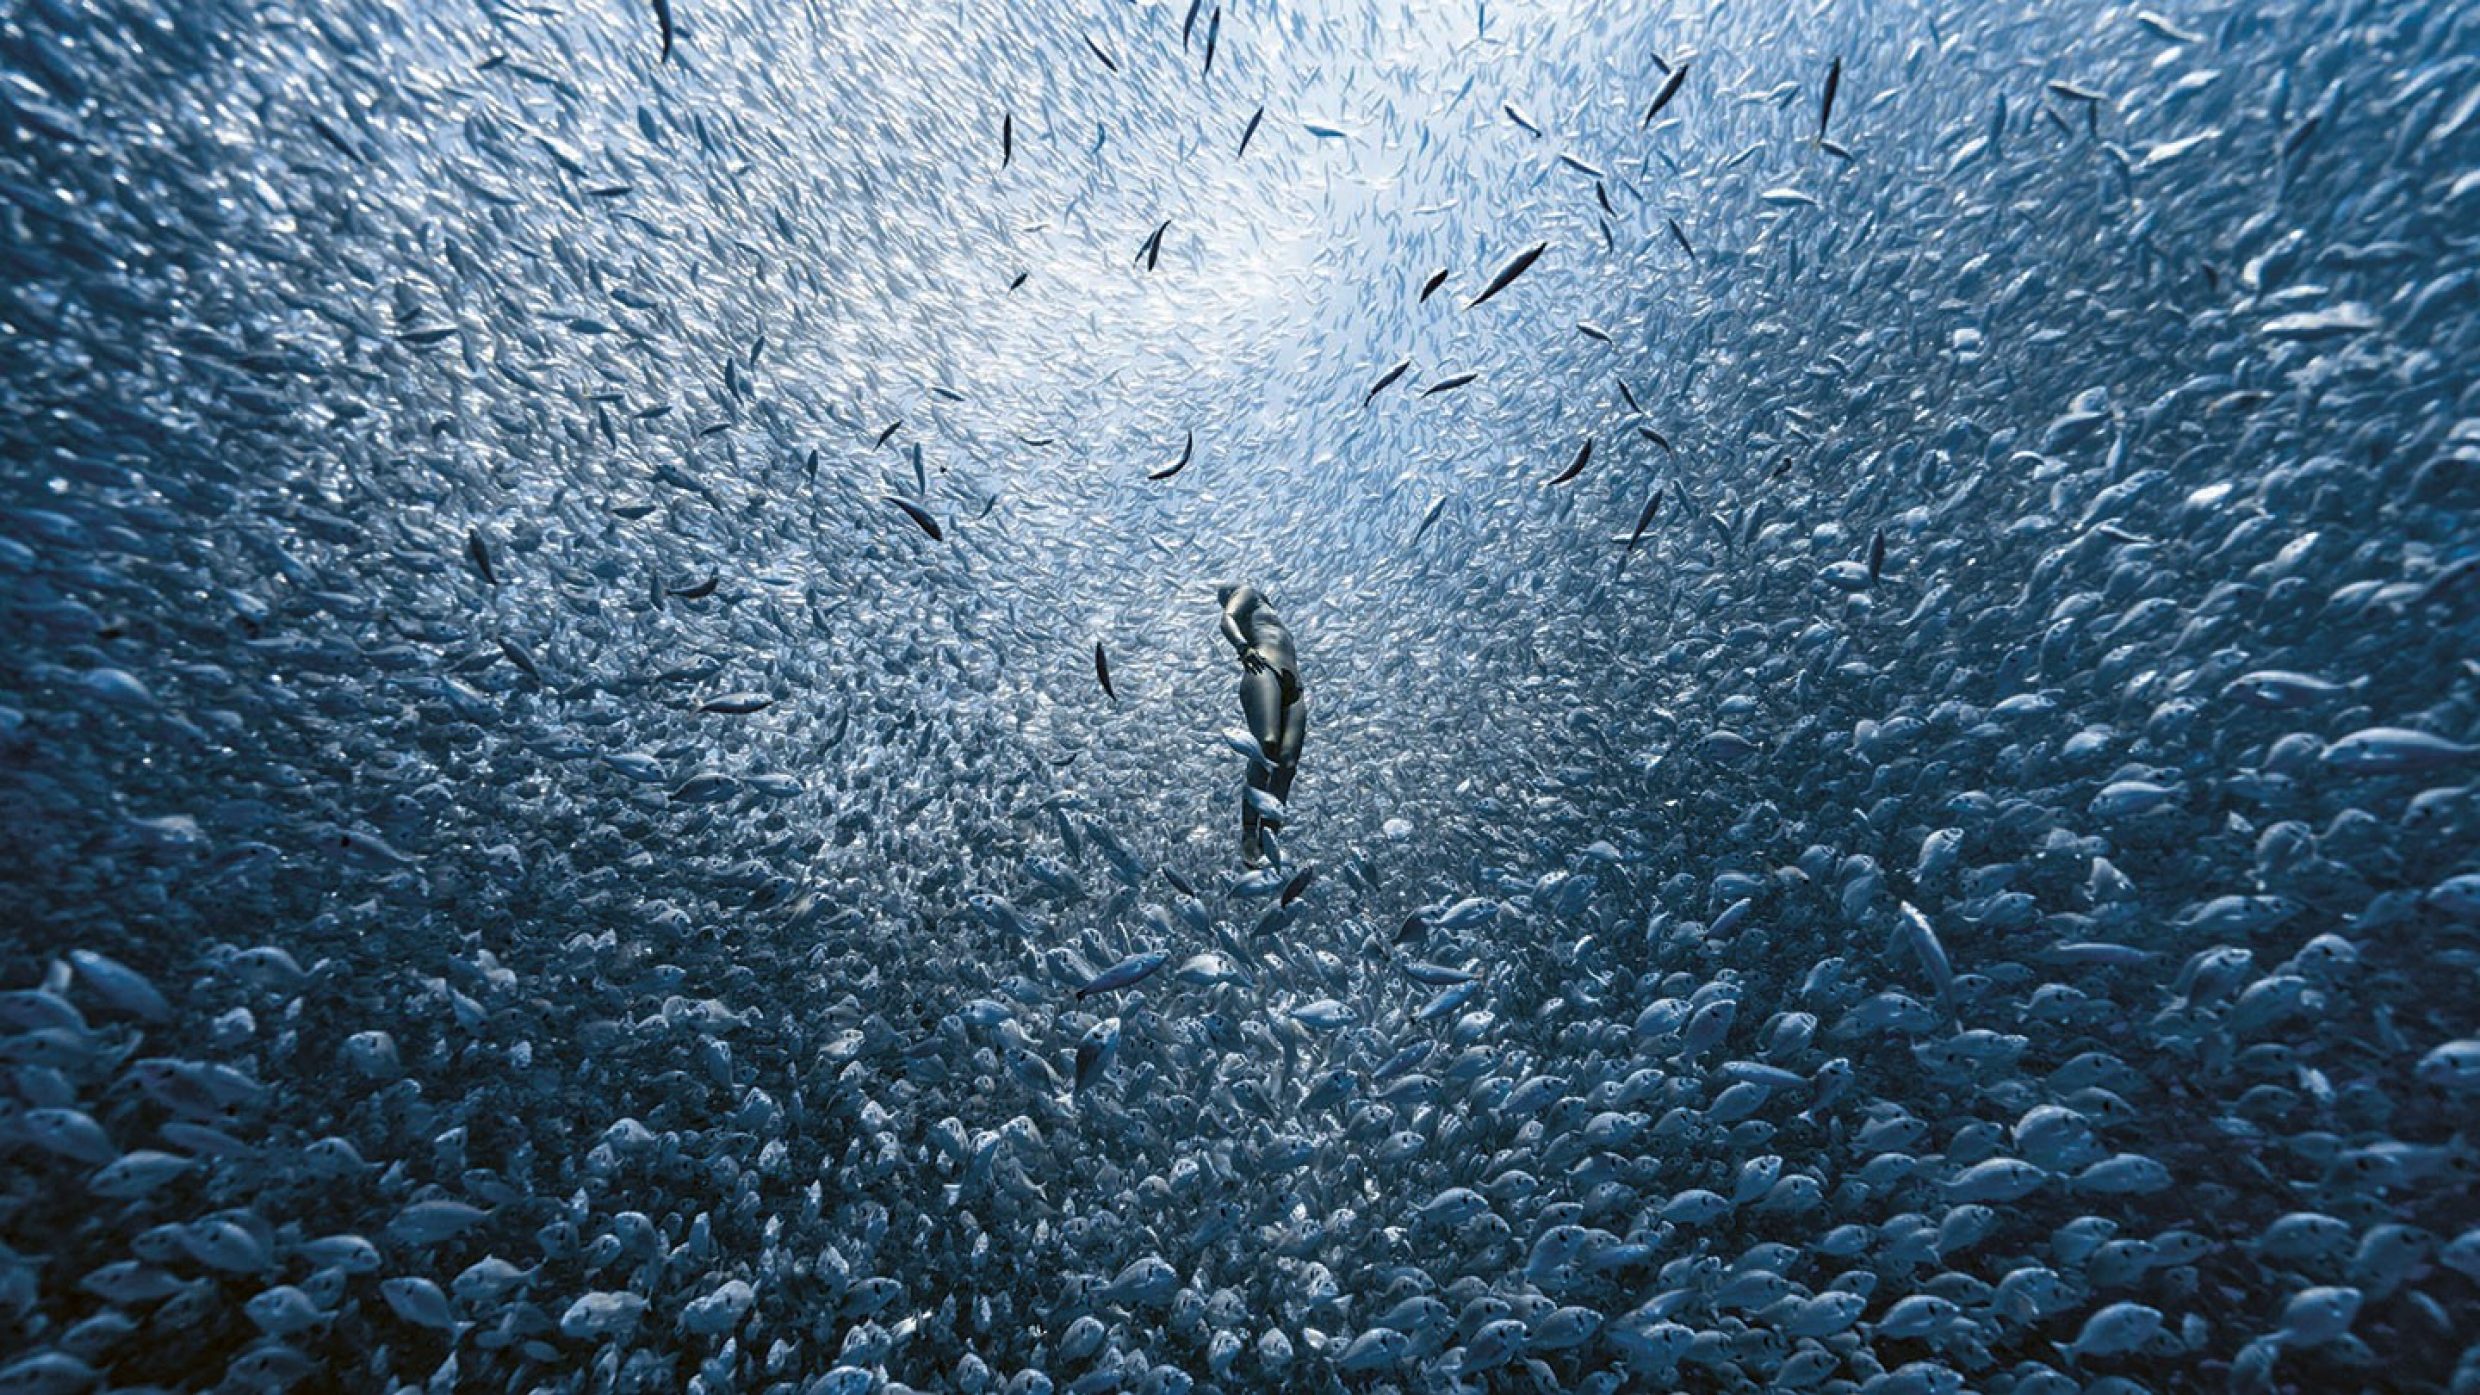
<point>619,776</point>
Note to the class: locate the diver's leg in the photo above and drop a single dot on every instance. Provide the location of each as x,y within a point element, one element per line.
<point>1252,850</point>
<point>1287,750</point>
<point>1295,728</point>
<point>1261,699</point>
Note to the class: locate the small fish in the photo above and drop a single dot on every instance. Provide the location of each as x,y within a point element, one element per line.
<point>1580,167</point>
<point>420,1302</point>
<point>123,987</point>
<point>1298,884</point>
<point>480,553</point>
<point>706,787</point>
<point>663,24</point>
<point>1661,99</point>
<point>1643,521</point>
<point>1430,287</point>
<point>1214,33</point>
<point>1517,116</point>
<point>1095,1052</point>
<point>1323,131</point>
<point>1127,973</point>
<point>1913,931</point>
<point>1386,380</point>
<point>516,654</point>
<point>70,1133</point>
<point>1825,109</point>
<point>920,516</point>
<point>1211,969</point>
<point>1102,672</point>
<point>1680,237</point>
<point>889,434</point>
<point>1448,384</point>
<point>1190,22</point>
<point>698,591</point>
<point>2395,751</point>
<point>1256,117</point>
<point>1628,396</point>
<point>1657,438</point>
<point>737,704</point>
<point>1430,517</point>
<point>1180,464</point>
<point>1151,252</point>
<point>1507,274</point>
<point>1098,53</point>
<point>2282,691</point>
<point>1325,1015</point>
<point>1877,555</point>
<point>1584,455</point>
<point>2166,29</point>
<point>1591,330</point>
<point>1007,138</point>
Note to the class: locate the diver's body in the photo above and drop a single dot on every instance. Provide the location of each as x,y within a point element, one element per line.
<point>1271,696</point>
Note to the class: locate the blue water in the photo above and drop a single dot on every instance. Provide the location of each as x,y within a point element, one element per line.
<point>1887,801</point>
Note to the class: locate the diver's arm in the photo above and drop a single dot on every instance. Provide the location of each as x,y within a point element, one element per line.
<point>1241,600</point>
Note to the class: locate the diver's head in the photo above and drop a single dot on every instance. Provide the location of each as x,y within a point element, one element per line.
<point>1224,591</point>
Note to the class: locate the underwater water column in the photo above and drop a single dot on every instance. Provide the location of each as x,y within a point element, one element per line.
<point>1074,697</point>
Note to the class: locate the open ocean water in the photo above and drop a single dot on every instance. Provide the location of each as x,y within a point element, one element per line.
<point>620,770</point>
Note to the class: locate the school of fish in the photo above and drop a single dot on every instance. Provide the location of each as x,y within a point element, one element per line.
<point>619,776</point>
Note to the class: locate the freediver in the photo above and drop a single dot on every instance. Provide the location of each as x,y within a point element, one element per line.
<point>1271,697</point>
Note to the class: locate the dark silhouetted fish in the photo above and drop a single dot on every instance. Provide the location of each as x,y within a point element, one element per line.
<point>920,516</point>
<point>1507,274</point>
<point>1188,449</point>
<point>1575,467</point>
<point>1386,380</point>
<point>1662,97</point>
